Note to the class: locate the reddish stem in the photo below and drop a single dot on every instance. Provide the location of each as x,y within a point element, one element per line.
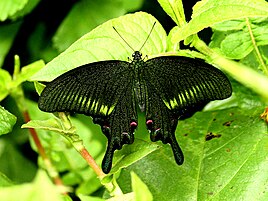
<point>92,163</point>
<point>41,150</point>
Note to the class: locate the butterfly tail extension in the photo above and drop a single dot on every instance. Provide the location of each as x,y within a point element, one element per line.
<point>108,158</point>
<point>177,152</point>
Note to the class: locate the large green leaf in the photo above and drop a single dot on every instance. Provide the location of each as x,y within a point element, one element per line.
<point>209,12</point>
<point>140,189</point>
<point>93,14</point>
<point>41,189</point>
<point>225,157</point>
<point>103,43</point>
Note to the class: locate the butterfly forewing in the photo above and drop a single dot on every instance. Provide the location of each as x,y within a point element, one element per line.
<point>92,89</point>
<point>185,84</point>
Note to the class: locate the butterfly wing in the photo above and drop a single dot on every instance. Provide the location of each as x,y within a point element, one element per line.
<point>102,90</point>
<point>177,87</point>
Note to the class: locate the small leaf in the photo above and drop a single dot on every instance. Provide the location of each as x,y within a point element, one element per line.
<point>28,71</point>
<point>10,7</point>
<point>174,9</point>
<point>130,154</point>
<point>207,13</point>
<point>50,125</point>
<point>140,189</point>
<point>237,45</point>
<point>7,121</point>
<point>5,83</point>
<point>29,6</point>
<point>234,37</point>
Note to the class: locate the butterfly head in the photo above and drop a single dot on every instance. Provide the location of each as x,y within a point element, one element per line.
<point>137,56</point>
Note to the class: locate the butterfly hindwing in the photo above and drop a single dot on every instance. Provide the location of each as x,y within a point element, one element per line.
<point>177,87</point>
<point>103,90</point>
<point>119,126</point>
<point>162,122</point>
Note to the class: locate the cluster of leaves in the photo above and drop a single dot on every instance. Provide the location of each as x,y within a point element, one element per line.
<point>225,146</point>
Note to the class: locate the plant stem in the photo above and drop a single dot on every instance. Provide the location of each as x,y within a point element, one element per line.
<point>50,168</point>
<point>90,160</point>
<point>18,95</point>
<point>77,143</point>
<point>259,57</point>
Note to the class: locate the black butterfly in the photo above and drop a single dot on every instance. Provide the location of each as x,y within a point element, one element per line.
<point>166,88</point>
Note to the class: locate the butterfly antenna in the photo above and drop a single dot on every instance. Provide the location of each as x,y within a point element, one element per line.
<point>148,36</point>
<point>123,39</point>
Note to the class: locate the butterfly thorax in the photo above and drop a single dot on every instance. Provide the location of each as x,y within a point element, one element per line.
<point>137,65</point>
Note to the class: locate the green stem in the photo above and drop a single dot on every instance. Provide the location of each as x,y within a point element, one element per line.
<point>259,57</point>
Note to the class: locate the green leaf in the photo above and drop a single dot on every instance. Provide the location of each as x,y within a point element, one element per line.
<point>7,121</point>
<point>140,189</point>
<point>93,14</point>
<point>175,10</point>
<point>14,164</point>
<point>235,42</point>
<point>49,124</point>
<point>237,45</point>
<point>232,165</point>
<point>209,12</point>
<point>131,154</point>
<point>4,181</point>
<point>73,168</point>
<point>89,198</point>
<point>41,189</point>
<point>10,7</point>
<point>7,36</point>
<point>27,72</point>
<point>5,82</point>
<point>108,45</point>
<point>28,7</point>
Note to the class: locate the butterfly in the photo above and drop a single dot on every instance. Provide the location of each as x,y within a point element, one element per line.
<point>166,89</point>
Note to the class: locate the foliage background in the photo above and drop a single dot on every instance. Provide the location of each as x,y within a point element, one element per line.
<point>230,166</point>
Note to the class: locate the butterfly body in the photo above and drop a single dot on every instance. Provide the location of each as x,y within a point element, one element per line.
<point>166,88</point>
